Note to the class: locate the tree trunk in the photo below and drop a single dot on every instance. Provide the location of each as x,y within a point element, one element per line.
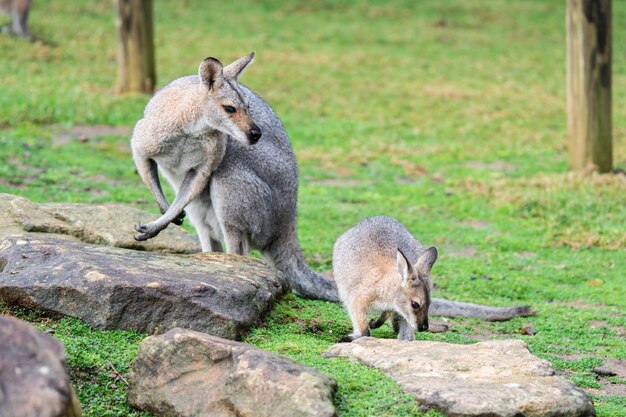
<point>136,71</point>
<point>589,84</point>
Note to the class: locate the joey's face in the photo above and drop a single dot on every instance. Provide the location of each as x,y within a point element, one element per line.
<point>228,109</point>
<point>413,297</point>
<point>415,301</point>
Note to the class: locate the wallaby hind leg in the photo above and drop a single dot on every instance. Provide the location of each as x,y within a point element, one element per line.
<point>19,20</point>
<point>191,186</point>
<point>359,325</point>
<point>198,216</point>
<point>375,324</point>
<point>207,243</point>
<point>236,241</point>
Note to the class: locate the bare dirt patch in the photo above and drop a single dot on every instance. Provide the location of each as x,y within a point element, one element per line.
<point>618,366</point>
<point>620,330</point>
<point>495,166</point>
<point>466,251</point>
<point>64,135</point>
<point>477,224</point>
<point>580,304</point>
<point>338,182</point>
<point>610,367</point>
<point>10,183</point>
<point>609,388</point>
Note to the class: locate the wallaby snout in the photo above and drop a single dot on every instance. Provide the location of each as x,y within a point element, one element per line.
<point>254,134</point>
<point>422,327</point>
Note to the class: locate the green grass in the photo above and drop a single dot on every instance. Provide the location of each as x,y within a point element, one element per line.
<point>448,115</point>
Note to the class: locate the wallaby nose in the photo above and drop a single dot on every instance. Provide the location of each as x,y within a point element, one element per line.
<point>254,135</point>
<point>422,327</point>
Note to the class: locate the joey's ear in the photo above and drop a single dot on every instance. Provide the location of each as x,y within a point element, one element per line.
<point>237,68</point>
<point>426,260</point>
<point>211,73</point>
<point>403,266</point>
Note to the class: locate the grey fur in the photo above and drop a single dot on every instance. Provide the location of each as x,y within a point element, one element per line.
<point>184,132</point>
<point>379,265</point>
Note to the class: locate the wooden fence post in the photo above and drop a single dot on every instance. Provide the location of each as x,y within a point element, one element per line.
<point>136,71</point>
<point>589,84</point>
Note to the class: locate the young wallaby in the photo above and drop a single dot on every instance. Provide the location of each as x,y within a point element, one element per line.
<point>250,199</point>
<point>18,9</point>
<point>379,265</point>
<point>184,132</point>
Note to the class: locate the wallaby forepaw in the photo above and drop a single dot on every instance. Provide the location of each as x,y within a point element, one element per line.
<point>179,219</point>
<point>352,337</point>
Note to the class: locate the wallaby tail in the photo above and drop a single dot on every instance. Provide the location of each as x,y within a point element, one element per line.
<point>442,307</point>
<point>286,256</point>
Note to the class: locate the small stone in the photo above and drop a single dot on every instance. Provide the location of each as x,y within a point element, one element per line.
<point>437,327</point>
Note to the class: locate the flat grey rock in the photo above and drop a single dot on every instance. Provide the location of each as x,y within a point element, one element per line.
<point>113,288</point>
<point>103,224</point>
<point>33,379</point>
<point>498,378</point>
<point>183,373</point>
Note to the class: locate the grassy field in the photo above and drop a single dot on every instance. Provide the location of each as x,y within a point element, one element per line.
<point>448,115</point>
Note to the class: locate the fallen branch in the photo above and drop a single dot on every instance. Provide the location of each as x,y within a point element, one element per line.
<point>118,374</point>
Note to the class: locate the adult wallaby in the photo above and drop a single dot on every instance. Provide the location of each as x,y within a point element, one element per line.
<point>184,132</point>
<point>379,265</point>
<point>18,9</point>
<point>195,130</point>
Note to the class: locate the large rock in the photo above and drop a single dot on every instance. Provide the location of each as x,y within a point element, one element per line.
<point>185,373</point>
<point>105,224</point>
<point>498,378</point>
<point>33,380</point>
<point>113,288</point>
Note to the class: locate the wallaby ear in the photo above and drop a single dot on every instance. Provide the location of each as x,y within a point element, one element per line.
<point>403,266</point>
<point>426,260</point>
<point>237,68</point>
<point>211,73</point>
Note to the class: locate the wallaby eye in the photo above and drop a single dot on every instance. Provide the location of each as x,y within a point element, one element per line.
<point>229,109</point>
<point>415,305</point>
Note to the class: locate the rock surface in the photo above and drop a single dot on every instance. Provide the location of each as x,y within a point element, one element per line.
<point>33,380</point>
<point>108,224</point>
<point>185,373</point>
<point>112,288</point>
<point>498,378</point>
